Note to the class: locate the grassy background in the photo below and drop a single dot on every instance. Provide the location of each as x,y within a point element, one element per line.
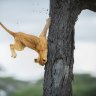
<point>83,85</point>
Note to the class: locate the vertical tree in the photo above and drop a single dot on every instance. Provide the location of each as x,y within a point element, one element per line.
<point>59,68</point>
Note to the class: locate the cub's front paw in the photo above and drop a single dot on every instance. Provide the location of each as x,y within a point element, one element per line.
<point>36,60</point>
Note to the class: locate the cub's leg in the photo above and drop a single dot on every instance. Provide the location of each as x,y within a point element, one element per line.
<point>13,51</point>
<point>16,46</point>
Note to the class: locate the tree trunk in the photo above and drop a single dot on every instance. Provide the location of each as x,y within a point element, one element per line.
<point>59,68</point>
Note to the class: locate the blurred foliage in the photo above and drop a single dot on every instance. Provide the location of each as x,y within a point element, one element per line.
<point>83,85</point>
<point>11,85</point>
<point>31,90</point>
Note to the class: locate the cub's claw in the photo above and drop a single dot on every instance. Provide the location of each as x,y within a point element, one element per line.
<point>35,60</point>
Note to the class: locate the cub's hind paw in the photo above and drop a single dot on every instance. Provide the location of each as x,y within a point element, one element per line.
<point>14,56</point>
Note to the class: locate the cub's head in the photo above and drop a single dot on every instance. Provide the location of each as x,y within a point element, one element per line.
<point>42,57</point>
<point>42,51</point>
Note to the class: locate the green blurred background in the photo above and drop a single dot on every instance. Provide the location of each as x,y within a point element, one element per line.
<point>83,85</point>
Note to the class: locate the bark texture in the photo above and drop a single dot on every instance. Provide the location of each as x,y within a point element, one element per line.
<point>59,68</point>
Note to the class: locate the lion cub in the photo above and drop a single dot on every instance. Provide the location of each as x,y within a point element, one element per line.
<point>39,44</point>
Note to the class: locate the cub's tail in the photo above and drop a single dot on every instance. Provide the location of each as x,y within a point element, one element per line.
<point>9,31</point>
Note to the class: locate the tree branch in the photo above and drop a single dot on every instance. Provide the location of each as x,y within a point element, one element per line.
<point>89,4</point>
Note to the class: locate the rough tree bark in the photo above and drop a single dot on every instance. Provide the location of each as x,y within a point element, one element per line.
<point>59,68</point>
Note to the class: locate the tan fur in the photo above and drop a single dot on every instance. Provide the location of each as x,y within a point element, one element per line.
<point>39,44</point>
